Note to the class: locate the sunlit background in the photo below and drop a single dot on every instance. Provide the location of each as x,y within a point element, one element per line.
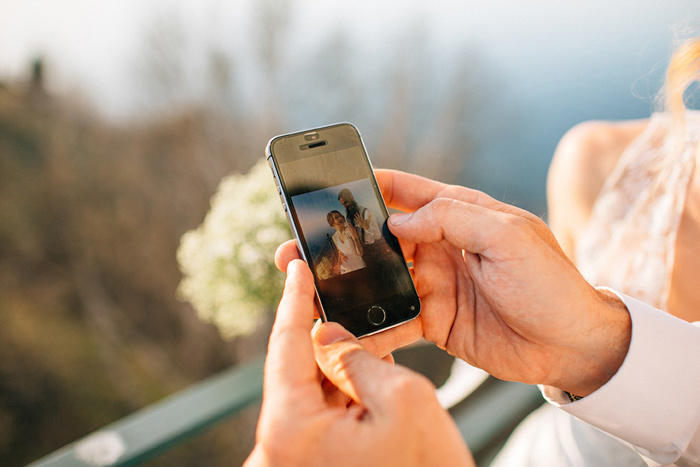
<point>119,118</point>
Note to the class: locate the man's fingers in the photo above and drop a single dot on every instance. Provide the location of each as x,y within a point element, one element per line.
<point>404,191</point>
<point>290,356</point>
<point>285,253</point>
<point>385,342</point>
<point>351,368</point>
<point>408,192</point>
<point>467,226</point>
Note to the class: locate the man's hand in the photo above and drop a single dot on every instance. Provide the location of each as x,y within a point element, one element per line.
<point>361,221</point>
<point>497,290</point>
<point>393,417</point>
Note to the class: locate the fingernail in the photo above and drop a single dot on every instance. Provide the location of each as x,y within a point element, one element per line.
<point>398,219</point>
<point>328,333</point>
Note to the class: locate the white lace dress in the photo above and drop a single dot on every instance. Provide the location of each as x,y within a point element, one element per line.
<point>629,245</point>
<point>346,246</point>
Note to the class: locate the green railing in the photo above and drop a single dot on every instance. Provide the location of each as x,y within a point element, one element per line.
<point>165,424</point>
<point>485,418</point>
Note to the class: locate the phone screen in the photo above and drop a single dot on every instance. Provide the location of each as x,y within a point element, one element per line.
<point>340,221</point>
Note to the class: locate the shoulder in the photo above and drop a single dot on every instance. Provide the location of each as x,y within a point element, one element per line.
<point>588,152</point>
<point>583,160</point>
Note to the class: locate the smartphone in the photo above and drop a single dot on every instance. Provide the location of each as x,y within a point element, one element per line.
<point>333,203</point>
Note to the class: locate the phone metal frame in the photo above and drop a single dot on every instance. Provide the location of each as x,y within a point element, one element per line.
<point>284,199</point>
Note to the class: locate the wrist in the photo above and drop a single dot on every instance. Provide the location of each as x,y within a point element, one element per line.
<point>605,345</point>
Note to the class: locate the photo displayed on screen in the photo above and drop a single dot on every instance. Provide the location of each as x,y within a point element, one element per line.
<point>342,227</point>
<point>355,259</point>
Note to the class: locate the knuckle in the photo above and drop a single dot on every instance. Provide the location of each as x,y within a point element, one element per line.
<point>442,207</point>
<point>450,191</point>
<point>513,222</point>
<point>516,225</point>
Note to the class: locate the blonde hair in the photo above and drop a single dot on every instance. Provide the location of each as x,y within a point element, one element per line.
<point>683,70</point>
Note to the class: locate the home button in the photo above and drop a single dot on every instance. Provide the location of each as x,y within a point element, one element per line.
<point>376,315</point>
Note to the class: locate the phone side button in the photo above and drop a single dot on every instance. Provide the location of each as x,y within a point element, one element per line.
<point>376,315</point>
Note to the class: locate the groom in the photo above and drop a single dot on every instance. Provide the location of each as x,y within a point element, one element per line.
<point>363,221</point>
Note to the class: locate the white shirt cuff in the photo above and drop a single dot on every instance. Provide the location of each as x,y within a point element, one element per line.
<point>653,400</point>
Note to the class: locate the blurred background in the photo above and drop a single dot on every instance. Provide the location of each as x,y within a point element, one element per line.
<point>119,118</point>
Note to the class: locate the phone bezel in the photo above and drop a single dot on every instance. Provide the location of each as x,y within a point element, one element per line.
<point>395,303</point>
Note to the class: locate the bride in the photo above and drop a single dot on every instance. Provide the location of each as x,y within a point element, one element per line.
<point>624,203</point>
<point>347,243</point>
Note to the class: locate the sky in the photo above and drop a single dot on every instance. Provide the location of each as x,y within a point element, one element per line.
<point>547,64</point>
<point>95,44</point>
<point>90,39</point>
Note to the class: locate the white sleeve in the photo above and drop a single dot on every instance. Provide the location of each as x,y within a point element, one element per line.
<point>653,401</point>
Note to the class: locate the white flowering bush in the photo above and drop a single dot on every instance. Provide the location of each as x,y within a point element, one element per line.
<point>227,263</point>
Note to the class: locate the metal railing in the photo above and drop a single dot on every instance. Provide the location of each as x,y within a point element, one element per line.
<point>165,424</point>
<point>485,418</point>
